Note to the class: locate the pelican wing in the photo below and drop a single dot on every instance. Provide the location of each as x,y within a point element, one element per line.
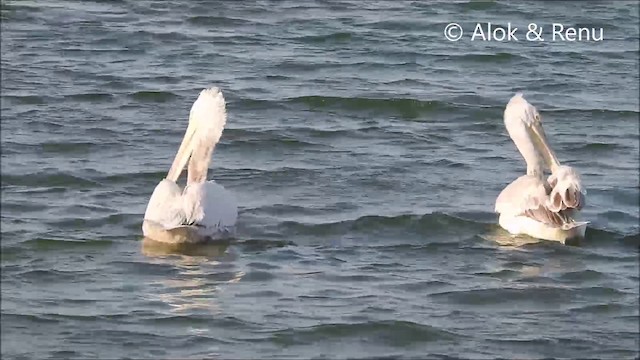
<point>528,196</point>
<point>164,208</point>
<point>211,207</point>
<point>524,193</point>
<point>566,189</point>
<point>202,209</point>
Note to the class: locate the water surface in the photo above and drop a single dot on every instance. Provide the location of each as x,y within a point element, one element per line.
<point>366,153</point>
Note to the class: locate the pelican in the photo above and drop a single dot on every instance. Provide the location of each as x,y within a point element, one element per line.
<point>204,210</point>
<point>532,205</point>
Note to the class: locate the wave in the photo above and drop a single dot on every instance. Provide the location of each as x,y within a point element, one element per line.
<point>90,97</point>
<point>30,319</point>
<point>216,21</point>
<point>632,240</point>
<point>613,215</point>
<point>434,230</point>
<point>254,245</point>
<point>162,36</point>
<point>255,104</point>
<point>390,332</point>
<point>608,113</point>
<point>408,108</point>
<point>45,244</point>
<point>56,181</point>
<point>267,138</point>
<point>599,146</point>
<point>128,178</point>
<point>582,276</point>
<point>605,308</point>
<point>48,276</point>
<point>370,224</point>
<point>80,147</point>
<point>69,147</point>
<point>27,99</point>
<point>404,25</point>
<point>595,236</point>
<point>274,174</point>
<point>154,96</point>
<point>540,296</point>
<point>489,58</point>
<point>337,37</point>
<point>42,179</point>
<point>479,5</point>
<point>350,133</point>
<point>130,221</point>
<point>20,206</point>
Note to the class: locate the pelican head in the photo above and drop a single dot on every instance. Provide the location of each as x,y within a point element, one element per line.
<point>206,122</point>
<point>524,124</point>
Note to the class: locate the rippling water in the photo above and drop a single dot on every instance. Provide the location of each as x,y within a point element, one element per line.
<point>366,152</point>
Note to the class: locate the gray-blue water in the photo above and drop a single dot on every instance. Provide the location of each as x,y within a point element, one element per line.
<point>366,152</point>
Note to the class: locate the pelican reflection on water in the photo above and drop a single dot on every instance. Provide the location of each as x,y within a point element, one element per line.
<point>153,248</point>
<point>201,278</point>
<point>543,208</point>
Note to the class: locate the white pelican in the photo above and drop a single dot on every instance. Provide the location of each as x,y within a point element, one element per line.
<point>204,210</point>
<point>532,205</point>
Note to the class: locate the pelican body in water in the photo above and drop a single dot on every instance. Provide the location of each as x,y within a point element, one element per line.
<point>204,210</point>
<point>532,205</point>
